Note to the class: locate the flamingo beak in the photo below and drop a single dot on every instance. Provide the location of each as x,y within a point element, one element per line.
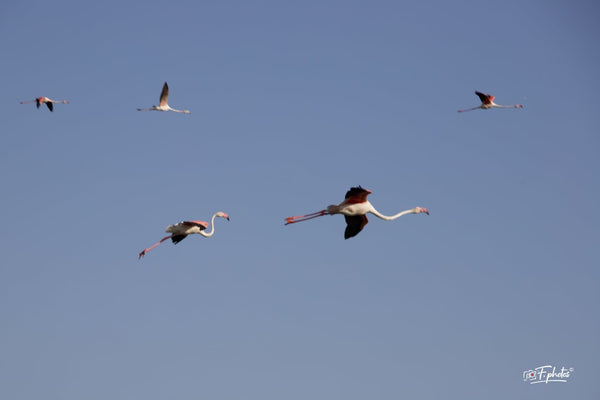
<point>424,210</point>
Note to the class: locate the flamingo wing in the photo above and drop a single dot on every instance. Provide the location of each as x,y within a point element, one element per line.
<point>485,98</point>
<point>50,105</point>
<point>38,102</point>
<point>183,226</point>
<point>177,238</point>
<point>356,195</point>
<point>200,224</point>
<point>354,224</point>
<point>164,95</point>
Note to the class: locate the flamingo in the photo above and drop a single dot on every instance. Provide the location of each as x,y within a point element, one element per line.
<point>487,101</point>
<point>44,100</point>
<point>354,208</point>
<point>180,231</point>
<point>164,105</point>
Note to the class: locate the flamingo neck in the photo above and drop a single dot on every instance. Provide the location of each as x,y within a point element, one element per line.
<point>212,227</point>
<point>390,218</point>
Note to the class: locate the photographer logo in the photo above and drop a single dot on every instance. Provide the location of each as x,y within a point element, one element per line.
<point>547,374</point>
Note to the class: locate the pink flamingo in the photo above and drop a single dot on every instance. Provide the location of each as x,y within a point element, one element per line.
<point>45,100</point>
<point>354,208</point>
<point>182,229</point>
<point>487,102</point>
<point>163,105</point>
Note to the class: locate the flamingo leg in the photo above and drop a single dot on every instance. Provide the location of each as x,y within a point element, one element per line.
<point>306,217</point>
<point>143,253</point>
<point>470,109</point>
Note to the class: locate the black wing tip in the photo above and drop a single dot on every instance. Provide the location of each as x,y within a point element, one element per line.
<point>354,225</point>
<point>177,238</point>
<point>348,233</point>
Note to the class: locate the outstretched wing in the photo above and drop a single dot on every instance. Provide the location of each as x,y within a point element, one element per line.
<point>38,102</point>
<point>164,95</point>
<point>356,195</point>
<point>183,226</point>
<point>485,98</point>
<point>354,224</point>
<point>200,224</point>
<point>50,105</point>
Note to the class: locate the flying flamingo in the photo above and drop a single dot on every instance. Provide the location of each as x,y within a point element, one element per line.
<point>164,105</point>
<point>487,101</point>
<point>354,208</point>
<point>44,100</point>
<point>180,231</point>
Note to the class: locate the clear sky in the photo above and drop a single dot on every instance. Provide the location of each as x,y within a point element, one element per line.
<point>292,103</point>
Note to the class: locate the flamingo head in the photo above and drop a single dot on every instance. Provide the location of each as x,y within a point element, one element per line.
<point>419,210</point>
<point>519,106</point>
<point>186,111</point>
<point>222,215</point>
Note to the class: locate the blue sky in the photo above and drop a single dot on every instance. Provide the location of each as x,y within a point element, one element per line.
<point>292,103</point>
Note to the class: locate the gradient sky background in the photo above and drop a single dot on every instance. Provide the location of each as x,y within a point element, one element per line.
<point>292,104</point>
